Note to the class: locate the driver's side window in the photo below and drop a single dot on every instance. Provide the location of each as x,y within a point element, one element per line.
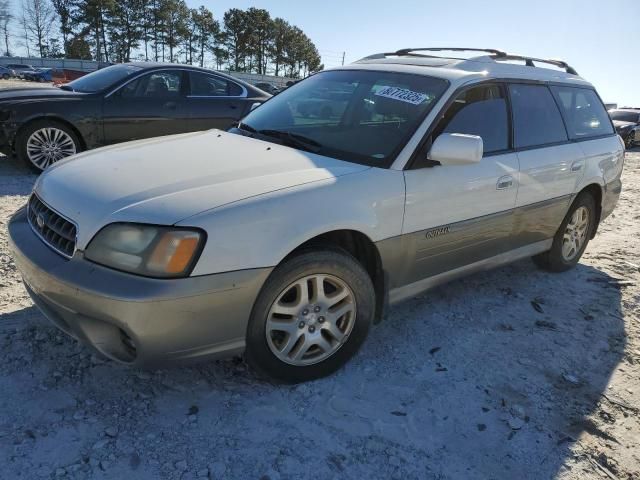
<point>479,111</point>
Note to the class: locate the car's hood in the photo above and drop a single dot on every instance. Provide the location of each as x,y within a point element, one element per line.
<point>622,124</point>
<point>165,180</point>
<point>36,93</point>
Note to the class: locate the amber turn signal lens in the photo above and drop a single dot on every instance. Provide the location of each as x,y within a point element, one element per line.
<point>174,252</point>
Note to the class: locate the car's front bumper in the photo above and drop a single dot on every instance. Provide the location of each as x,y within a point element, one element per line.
<point>7,134</point>
<point>131,319</point>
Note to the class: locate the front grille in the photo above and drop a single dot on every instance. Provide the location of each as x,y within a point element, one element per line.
<point>54,230</point>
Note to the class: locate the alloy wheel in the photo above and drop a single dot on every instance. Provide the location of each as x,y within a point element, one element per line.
<point>48,145</point>
<point>575,234</point>
<point>310,319</point>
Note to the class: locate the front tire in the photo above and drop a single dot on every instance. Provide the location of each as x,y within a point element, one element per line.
<point>46,142</point>
<point>310,318</point>
<point>572,237</point>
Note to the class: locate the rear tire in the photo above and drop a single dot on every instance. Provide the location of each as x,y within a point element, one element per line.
<point>311,317</point>
<point>5,76</point>
<point>572,237</point>
<point>45,142</point>
<point>628,142</point>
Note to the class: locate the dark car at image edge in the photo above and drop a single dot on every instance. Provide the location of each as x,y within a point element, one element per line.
<point>627,124</point>
<point>116,104</point>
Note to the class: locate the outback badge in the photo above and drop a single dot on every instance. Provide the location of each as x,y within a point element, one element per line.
<point>437,232</point>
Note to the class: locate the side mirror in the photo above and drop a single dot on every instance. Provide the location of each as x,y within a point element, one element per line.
<point>456,149</point>
<point>254,105</point>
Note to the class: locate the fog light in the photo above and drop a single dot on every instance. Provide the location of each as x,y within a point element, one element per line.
<point>128,343</point>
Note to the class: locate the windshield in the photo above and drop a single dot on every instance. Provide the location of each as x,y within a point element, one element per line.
<point>624,116</point>
<point>101,79</point>
<point>354,115</point>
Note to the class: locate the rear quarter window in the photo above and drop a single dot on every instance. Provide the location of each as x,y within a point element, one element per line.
<point>583,112</point>
<point>536,118</point>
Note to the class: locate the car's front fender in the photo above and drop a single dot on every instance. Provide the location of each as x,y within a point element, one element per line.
<point>263,230</point>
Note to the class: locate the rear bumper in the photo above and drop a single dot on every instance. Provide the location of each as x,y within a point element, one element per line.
<point>610,197</point>
<point>131,319</point>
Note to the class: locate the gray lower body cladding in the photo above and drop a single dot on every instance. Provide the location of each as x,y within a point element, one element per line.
<point>416,257</point>
<point>132,319</point>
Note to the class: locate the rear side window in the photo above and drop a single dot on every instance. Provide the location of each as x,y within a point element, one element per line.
<point>203,85</point>
<point>479,111</point>
<point>583,112</point>
<point>536,118</point>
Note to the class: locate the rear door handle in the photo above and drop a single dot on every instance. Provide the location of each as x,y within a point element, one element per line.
<point>577,165</point>
<point>504,182</point>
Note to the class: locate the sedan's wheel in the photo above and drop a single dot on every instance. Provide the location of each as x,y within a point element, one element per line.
<point>572,237</point>
<point>312,315</point>
<point>5,76</point>
<point>629,141</point>
<point>44,143</point>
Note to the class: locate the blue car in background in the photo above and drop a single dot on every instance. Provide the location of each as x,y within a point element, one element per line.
<point>6,73</point>
<point>39,75</point>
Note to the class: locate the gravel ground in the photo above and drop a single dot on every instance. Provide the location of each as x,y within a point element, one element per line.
<point>513,373</point>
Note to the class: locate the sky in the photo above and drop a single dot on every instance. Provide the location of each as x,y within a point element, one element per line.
<point>599,38</point>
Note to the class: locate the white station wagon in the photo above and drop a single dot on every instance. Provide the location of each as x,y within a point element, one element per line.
<point>287,237</point>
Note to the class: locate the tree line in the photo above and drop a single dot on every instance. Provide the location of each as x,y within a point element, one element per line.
<point>158,30</point>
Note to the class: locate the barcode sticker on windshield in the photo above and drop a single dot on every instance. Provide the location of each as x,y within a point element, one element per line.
<point>402,95</point>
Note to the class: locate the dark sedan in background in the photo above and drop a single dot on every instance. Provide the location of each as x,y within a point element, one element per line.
<point>117,104</point>
<point>627,124</point>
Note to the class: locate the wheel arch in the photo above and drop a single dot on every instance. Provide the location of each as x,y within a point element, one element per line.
<point>53,118</point>
<point>595,190</point>
<point>363,249</point>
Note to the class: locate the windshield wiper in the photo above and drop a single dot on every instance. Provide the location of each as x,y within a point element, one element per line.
<point>286,138</point>
<point>247,128</point>
<point>66,87</point>
<point>293,140</point>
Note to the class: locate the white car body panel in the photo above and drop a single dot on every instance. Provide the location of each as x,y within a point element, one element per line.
<point>471,191</point>
<point>549,172</point>
<point>604,159</point>
<point>261,231</point>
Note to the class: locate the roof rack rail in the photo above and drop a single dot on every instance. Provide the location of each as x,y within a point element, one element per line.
<point>529,62</point>
<point>497,55</point>
<point>408,51</point>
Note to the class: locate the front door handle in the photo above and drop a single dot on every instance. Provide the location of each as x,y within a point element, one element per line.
<point>504,182</point>
<point>171,105</point>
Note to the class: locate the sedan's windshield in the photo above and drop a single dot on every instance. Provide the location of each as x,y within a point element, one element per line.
<point>355,115</point>
<point>101,79</point>
<point>623,116</point>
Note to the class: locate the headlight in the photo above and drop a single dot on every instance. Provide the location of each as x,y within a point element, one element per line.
<point>163,252</point>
